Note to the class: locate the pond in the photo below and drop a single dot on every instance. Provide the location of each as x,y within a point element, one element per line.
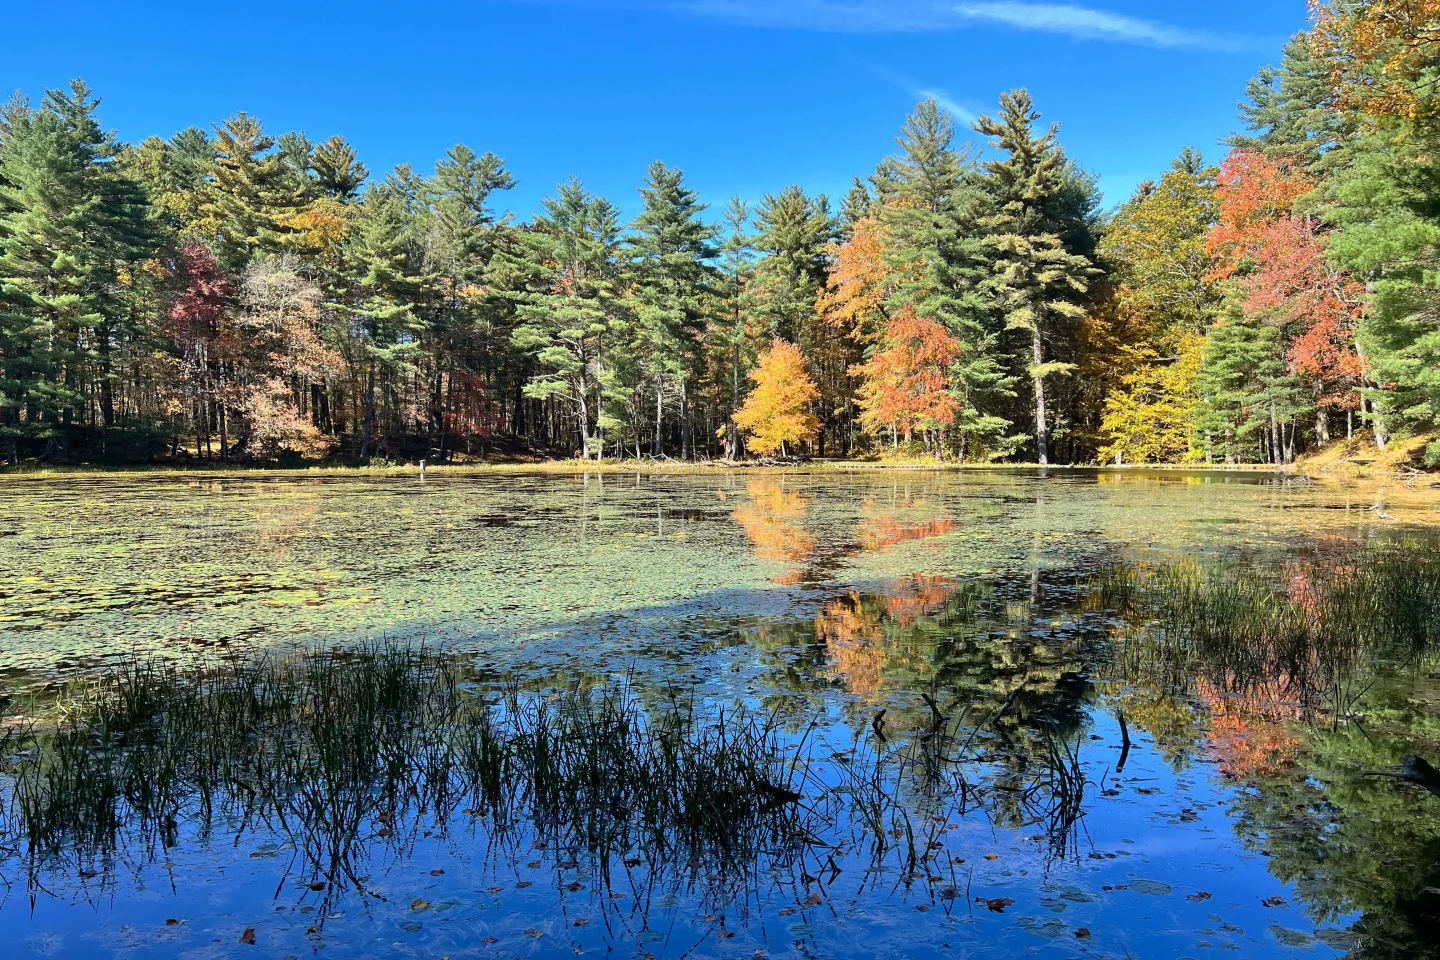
<point>728,714</point>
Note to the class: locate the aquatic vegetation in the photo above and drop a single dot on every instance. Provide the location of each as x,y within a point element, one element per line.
<point>982,698</point>
<point>1311,632</point>
<point>334,749</point>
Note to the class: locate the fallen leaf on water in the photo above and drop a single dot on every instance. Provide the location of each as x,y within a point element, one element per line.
<point>922,908</point>
<point>248,936</point>
<point>523,884</point>
<point>1200,897</point>
<point>996,905</point>
<point>532,932</point>
<point>814,900</point>
<point>575,887</point>
<point>489,940</point>
<point>437,872</point>
<point>420,904</point>
<point>788,911</point>
<point>1083,933</point>
<point>87,874</point>
<point>582,921</point>
<point>494,889</point>
<point>172,922</point>
<point>1273,902</point>
<point>992,856</point>
<point>725,934</point>
<point>317,885</point>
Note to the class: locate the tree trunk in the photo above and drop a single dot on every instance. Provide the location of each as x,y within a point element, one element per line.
<point>687,440</point>
<point>659,415</point>
<point>369,413</point>
<point>732,438</point>
<point>1042,429</point>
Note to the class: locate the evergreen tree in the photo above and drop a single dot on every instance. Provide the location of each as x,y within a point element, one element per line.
<point>1389,234</point>
<point>71,223</point>
<point>572,316</point>
<point>792,231</point>
<point>1039,277</point>
<point>940,262</point>
<point>338,174</point>
<point>1289,109</point>
<point>736,270</point>
<point>253,193</point>
<point>670,250</point>
<point>1246,398</point>
<point>383,260</point>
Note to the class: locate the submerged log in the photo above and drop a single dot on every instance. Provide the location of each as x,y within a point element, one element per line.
<point>1414,770</point>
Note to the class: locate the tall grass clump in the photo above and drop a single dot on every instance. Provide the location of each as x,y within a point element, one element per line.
<point>338,751</point>
<point>1312,630</point>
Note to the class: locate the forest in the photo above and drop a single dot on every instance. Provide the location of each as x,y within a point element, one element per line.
<point>232,295</point>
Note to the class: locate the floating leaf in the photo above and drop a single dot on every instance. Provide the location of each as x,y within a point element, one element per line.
<point>1049,929</point>
<point>1291,938</point>
<point>997,904</point>
<point>248,936</point>
<point>1151,888</point>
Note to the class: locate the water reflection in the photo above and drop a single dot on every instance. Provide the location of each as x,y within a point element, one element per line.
<point>955,727</point>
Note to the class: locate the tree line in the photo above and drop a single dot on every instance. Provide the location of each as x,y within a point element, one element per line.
<point>234,296</point>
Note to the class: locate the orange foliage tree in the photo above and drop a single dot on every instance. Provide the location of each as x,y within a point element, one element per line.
<point>777,411</point>
<point>1285,278</point>
<point>858,283</point>
<point>906,383</point>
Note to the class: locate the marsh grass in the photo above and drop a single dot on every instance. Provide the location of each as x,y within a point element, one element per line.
<point>348,756</point>
<point>1315,631</point>
<point>341,751</point>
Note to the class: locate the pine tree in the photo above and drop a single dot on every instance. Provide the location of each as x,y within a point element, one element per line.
<point>670,249</point>
<point>570,319</point>
<point>940,262</point>
<point>736,270</point>
<point>253,193</point>
<point>1389,235</point>
<point>382,257</point>
<point>1039,278</point>
<point>1289,109</point>
<point>70,225</point>
<point>1246,398</point>
<point>792,232</point>
<point>338,174</point>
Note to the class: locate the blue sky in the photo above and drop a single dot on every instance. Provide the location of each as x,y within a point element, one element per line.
<point>745,95</point>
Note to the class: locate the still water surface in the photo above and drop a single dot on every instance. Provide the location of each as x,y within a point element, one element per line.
<point>1237,825</point>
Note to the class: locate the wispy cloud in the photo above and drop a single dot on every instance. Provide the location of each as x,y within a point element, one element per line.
<point>915,16</point>
<point>1088,24</point>
<point>963,115</point>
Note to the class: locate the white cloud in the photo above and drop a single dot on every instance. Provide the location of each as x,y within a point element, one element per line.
<point>963,115</point>
<point>1090,24</point>
<point>915,16</point>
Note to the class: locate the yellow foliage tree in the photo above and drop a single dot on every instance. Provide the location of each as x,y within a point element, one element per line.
<point>777,411</point>
<point>1148,419</point>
